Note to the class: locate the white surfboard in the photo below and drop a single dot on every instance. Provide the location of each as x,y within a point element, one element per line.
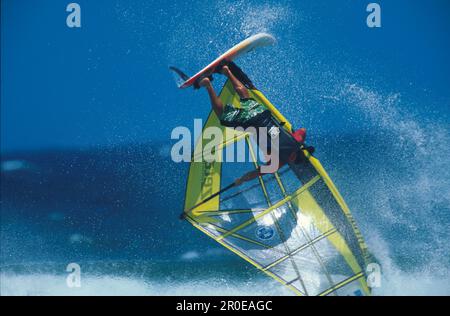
<point>247,45</point>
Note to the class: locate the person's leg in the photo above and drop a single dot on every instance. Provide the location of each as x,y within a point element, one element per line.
<point>216,103</point>
<point>237,85</point>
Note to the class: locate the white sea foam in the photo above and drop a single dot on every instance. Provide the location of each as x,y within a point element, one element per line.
<point>415,201</point>
<point>49,284</point>
<point>417,281</point>
<point>394,282</point>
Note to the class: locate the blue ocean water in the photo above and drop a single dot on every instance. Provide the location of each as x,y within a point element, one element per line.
<point>86,117</point>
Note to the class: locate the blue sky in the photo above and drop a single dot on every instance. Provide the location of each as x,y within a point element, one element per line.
<point>107,83</point>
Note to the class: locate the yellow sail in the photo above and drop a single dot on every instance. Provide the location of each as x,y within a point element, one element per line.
<point>293,225</point>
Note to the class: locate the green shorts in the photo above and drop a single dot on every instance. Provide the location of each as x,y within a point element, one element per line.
<point>234,117</point>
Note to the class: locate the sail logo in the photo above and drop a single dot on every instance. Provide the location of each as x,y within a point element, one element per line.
<point>264,232</point>
<point>207,180</point>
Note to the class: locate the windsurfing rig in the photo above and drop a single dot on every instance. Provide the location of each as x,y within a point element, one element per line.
<point>293,225</point>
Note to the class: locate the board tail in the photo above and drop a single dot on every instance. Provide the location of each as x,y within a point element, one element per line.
<point>181,76</point>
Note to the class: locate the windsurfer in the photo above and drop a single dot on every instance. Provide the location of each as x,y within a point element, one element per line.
<point>253,114</point>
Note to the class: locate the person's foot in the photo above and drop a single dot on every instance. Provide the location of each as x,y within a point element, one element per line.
<point>204,82</point>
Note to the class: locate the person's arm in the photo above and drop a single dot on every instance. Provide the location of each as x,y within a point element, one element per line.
<point>247,177</point>
<point>252,175</point>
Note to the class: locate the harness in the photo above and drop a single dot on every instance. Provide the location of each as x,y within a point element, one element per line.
<point>290,145</point>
